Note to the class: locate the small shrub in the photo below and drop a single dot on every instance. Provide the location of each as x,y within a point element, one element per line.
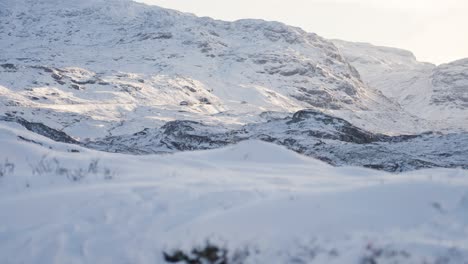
<point>77,175</point>
<point>93,166</point>
<point>45,166</point>
<point>52,166</point>
<point>375,255</point>
<point>108,174</point>
<point>6,168</point>
<point>208,254</point>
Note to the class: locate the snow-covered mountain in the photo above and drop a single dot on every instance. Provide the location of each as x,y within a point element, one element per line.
<point>435,93</point>
<point>96,68</point>
<point>126,77</point>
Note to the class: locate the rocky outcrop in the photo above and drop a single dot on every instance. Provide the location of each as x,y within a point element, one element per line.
<point>308,132</point>
<point>42,129</point>
<point>325,137</point>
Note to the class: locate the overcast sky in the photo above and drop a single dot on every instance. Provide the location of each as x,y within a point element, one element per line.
<point>435,30</point>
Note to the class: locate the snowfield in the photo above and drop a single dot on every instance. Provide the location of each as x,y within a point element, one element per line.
<point>64,204</point>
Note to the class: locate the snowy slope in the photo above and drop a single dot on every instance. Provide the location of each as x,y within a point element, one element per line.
<point>436,93</point>
<point>450,82</point>
<point>279,206</point>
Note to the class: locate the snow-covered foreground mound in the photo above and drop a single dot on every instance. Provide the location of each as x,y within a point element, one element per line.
<point>64,204</point>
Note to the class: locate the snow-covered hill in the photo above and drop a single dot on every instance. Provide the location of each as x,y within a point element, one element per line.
<point>435,93</point>
<point>61,203</point>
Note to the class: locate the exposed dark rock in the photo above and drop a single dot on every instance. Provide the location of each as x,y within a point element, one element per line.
<point>205,100</point>
<point>190,89</point>
<point>9,66</point>
<point>182,135</point>
<point>46,131</point>
<point>42,129</point>
<point>324,100</point>
<point>56,76</point>
<point>29,140</point>
<point>153,36</point>
<point>44,68</point>
<point>129,88</point>
<point>75,86</point>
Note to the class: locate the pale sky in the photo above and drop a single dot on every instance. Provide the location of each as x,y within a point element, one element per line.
<point>434,30</point>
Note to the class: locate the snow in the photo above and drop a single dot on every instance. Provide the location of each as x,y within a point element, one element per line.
<point>101,69</point>
<point>281,205</point>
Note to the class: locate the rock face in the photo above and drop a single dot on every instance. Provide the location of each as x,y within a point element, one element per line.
<point>42,129</point>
